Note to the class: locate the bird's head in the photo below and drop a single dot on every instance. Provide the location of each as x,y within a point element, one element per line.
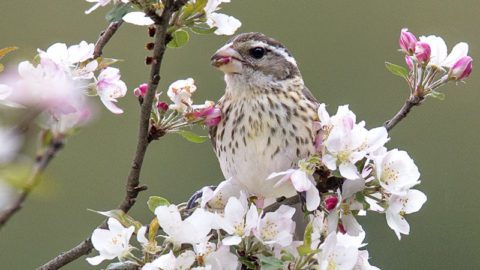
<point>255,60</point>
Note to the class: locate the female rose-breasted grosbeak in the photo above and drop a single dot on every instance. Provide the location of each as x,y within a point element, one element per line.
<point>267,114</point>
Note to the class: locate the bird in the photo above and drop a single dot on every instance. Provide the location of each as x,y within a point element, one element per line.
<point>268,114</point>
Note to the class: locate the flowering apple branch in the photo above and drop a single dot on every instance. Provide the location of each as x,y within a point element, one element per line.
<point>105,37</point>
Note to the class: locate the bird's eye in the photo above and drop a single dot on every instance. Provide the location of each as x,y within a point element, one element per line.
<point>257,52</point>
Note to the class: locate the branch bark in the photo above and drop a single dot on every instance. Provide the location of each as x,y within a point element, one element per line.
<point>409,104</point>
<point>36,175</point>
<point>105,37</point>
<point>133,186</point>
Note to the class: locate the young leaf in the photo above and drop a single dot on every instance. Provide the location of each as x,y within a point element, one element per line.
<point>155,201</point>
<point>6,50</point>
<point>397,70</point>
<point>202,29</point>
<point>179,38</point>
<point>105,62</point>
<point>117,12</point>
<point>192,137</point>
<point>436,95</point>
<point>270,263</point>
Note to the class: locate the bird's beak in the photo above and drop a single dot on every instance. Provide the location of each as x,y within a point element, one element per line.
<point>227,60</point>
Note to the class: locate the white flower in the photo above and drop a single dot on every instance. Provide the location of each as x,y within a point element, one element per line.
<point>170,262</point>
<point>110,87</point>
<point>343,212</point>
<point>396,172</point>
<point>180,92</point>
<point>301,182</point>
<point>276,228</point>
<point>238,220</point>
<point>226,25</point>
<point>318,228</point>
<point>399,206</point>
<point>438,48</point>
<point>346,142</point>
<point>192,230</point>
<point>137,18</point>
<point>338,255</point>
<point>217,199</point>
<point>111,243</point>
<point>362,262</point>
<point>221,259</point>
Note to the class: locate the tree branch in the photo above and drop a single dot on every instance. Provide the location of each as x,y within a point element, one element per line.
<point>133,186</point>
<point>36,175</point>
<point>105,37</point>
<point>412,101</point>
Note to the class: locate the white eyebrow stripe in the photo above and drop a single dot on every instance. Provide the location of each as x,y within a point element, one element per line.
<point>280,51</point>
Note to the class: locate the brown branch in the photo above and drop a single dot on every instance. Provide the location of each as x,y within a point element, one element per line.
<point>105,37</point>
<point>36,175</point>
<point>412,101</point>
<point>133,186</point>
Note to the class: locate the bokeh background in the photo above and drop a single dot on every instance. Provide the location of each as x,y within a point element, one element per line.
<point>340,46</point>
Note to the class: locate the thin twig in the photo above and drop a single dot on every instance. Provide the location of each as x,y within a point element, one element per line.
<point>412,101</point>
<point>105,37</point>
<point>288,201</point>
<point>133,186</point>
<point>36,175</point>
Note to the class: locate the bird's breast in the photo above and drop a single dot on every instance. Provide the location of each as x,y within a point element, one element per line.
<point>264,134</point>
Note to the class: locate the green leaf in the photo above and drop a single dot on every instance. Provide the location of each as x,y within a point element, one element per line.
<point>246,262</point>
<point>6,50</point>
<point>202,29</point>
<point>397,70</point>
<point>118,11</point>
<point>436,95</point>
<point>119,215</point>
<point>179,38</point>
<point>155,201</point>
<point>105,62</point>
<point>270,263</point>
<point>192,137</point>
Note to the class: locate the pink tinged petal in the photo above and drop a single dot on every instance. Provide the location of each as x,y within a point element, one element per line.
<point>300,181</point>
<point>110,105</point>
<point>461,69</point>
<point>438,49</point>
<point>348,123</point>
<point>95,260</point>
<point>422,52</point>
<point>349,171</point>
<point>459,51</point>
<point>137,18</point>
<point>231,240</point>
<point>313,198</point>
<point>409,62</point>
<point>407,41</point>
<point>162,106</point>
<point>331,202</point>
<point>323,114</point>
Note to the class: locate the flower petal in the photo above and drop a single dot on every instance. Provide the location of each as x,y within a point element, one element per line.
<point>137,18</point>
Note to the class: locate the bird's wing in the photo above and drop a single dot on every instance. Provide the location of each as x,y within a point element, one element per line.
<point>309,95</point>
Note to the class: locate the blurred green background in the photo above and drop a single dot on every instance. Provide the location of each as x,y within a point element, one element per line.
<point>340,46</point>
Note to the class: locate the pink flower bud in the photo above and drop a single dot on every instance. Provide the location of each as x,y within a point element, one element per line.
<point>409,62</point>
<point>162,106</point>
<point>214,117</point>
<point>331,202</point>
<point>407,41</point>
<point>141,90</point>
<point>461,69</point>
<point>422,52</point>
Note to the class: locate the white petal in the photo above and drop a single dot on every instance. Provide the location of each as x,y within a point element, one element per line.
<point>438,49</point>
<point>460,50</point>
<point>351,187</point>
<point>301,181</point>
<point>349,171</point>
<point>137,18</point>
<point>231,240</point>
<point>110,105</point>
<point>330,161</point>
<point>415,201</point>
<point>95,260</point>
<point>141,235</point>
<point>397,223</point>
<point>313,198</point>
<point>226,25</point>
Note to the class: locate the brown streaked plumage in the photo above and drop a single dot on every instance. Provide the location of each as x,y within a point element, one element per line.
<point>268,114</point>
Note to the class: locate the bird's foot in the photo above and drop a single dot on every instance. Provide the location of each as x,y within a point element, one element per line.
<point>192,202</point>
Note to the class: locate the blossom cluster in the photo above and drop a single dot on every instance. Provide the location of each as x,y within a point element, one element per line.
<point>430,66</point>
<point>58,82</point>
<point>205,18</point>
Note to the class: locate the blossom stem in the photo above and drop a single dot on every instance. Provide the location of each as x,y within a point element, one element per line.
<point>412,101</point>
